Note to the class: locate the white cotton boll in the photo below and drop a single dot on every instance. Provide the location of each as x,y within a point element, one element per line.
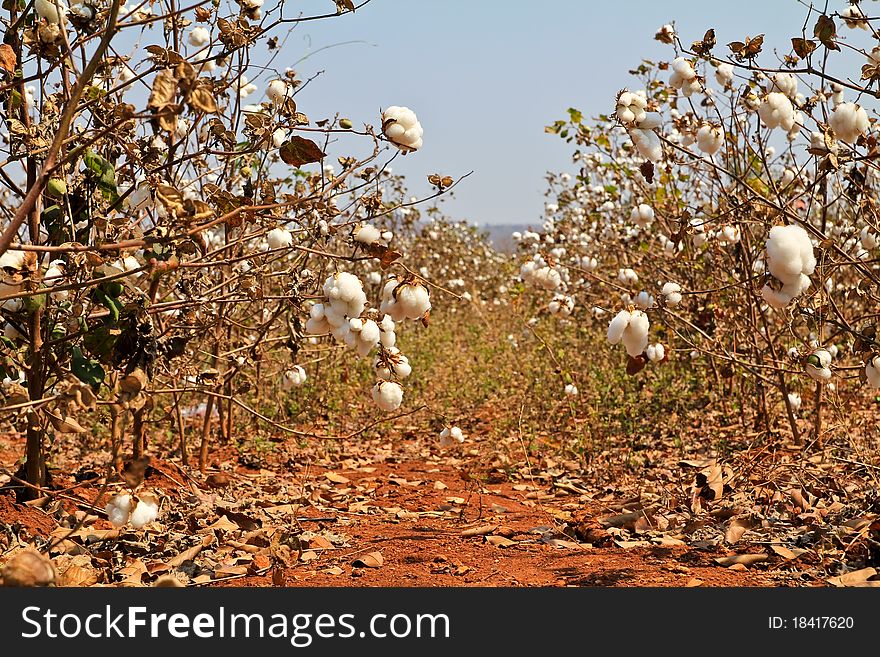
<point>279,238</point>
<point>776,111</point>
<point>355,324</point>
<point>628,276</point>
<point>334,313</point>
<point>787,178</point>
<point>388,395</point>
<point>818,365</point>
<point>589,263</point>
<point>672,292</point>
<point>849,121</point>
<point>642,215</point>
<point>401,126</point>
<point>794,400</point>
<point>53,11</point>
<point>451,435</point>
<point>853,18</point>
<point>279,136</point>
<point>635,337</point>
<point>710,139</point>
<point>244,87</point>
<point>618,325</point>
<point>729,235</point>
<point>631,107</point>
<point>790,253</point>
<point>387,236</point>
<point>571,390</point>
<point>867,239</point>
<point>872,372</point>
<point>647,143</point>
<point>277,91</point>
<point>777,299</point>
<point>819,145</point>
<point>644,300</point>
<point>118,509</point>
<point>785,83</point>
<point>656,352</point>
<point>317,326</point>
<point>367,234</point>
<point>144,513</point>
<point>199,36</point>
<point>724,74</point>
<point>370,333</point>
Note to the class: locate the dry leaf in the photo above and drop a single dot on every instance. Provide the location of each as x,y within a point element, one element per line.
<point>7,58</point>
<point>371,560</point>
<point>785,553</point>
<point>744,559</point>
<point>499,541</point>
<point>28,568</point>
<point>479,531</point>
<point>337,478</point>
<point>855,578</point>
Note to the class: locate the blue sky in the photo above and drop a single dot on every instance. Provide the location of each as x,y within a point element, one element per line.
<point>485,77</point>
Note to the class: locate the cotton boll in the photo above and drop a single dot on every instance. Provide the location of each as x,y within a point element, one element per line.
<point>451,435</point>
<point>199,37</point>
<point>724,74</point>
<point>794,400</point>
<point>710,139</point>
<point>672,293</point>
<point>790,254</point>
<point>867,239</point>
<point>849,121</point>
<point>644,300</point>
<point>647,143</point>
<point>682,72</point>
<point>571,390</point>
<point>118,509</point>
<point>367,234</point>
<point>853,18</point>
<point>628,277</point>
<point>631,107</point>
<point>53,11</point>
<point>370,332</point>
<point>388,395</point>
<point>872,372</point>
<point>279,238</point>
<point>819,144</point>
<point>635,337</point>
<point>244,87</point>
<point>401,126</point>
<point>817,365</point>
<point>776,111</point>
<point>618,325</point>
<point>642,215</point>
<point>785,83</point>
<point>656,352</point>
<point>776,298</point>
<point>145,512</point>
<point>277,91</point>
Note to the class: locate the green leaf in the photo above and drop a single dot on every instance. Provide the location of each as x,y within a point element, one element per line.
<point>85,369</point>
<point>104,173</point>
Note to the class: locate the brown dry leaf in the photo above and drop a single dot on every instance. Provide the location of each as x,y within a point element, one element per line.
<point>164,90</point>
<point>439,485</point>
<point>308,555</point>
<point>229,571</point>
<point>7,58</point>
<point>336,478</point>
<point>628,545</point>
<point>737,527</point>
<point>78,575</point>
<point>203,100</point>
<point>333,570</point>
<point>855,578</point>
<point>218,480</point>
<point>371,560</point>
<point>623,520</point>
<point>222,523</point>
<point>744,559</point>
<point>499,541</point>
<point>64,424</point>
<point>28,568</point>
<point>320,543</point>
<point>479,531</point>
<point>298,151</point>
<point>786,553</point>
<point>133,574</point>
<point>189,554</point>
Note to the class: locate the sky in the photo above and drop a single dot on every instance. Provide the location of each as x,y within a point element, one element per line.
<point>486,76</point>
